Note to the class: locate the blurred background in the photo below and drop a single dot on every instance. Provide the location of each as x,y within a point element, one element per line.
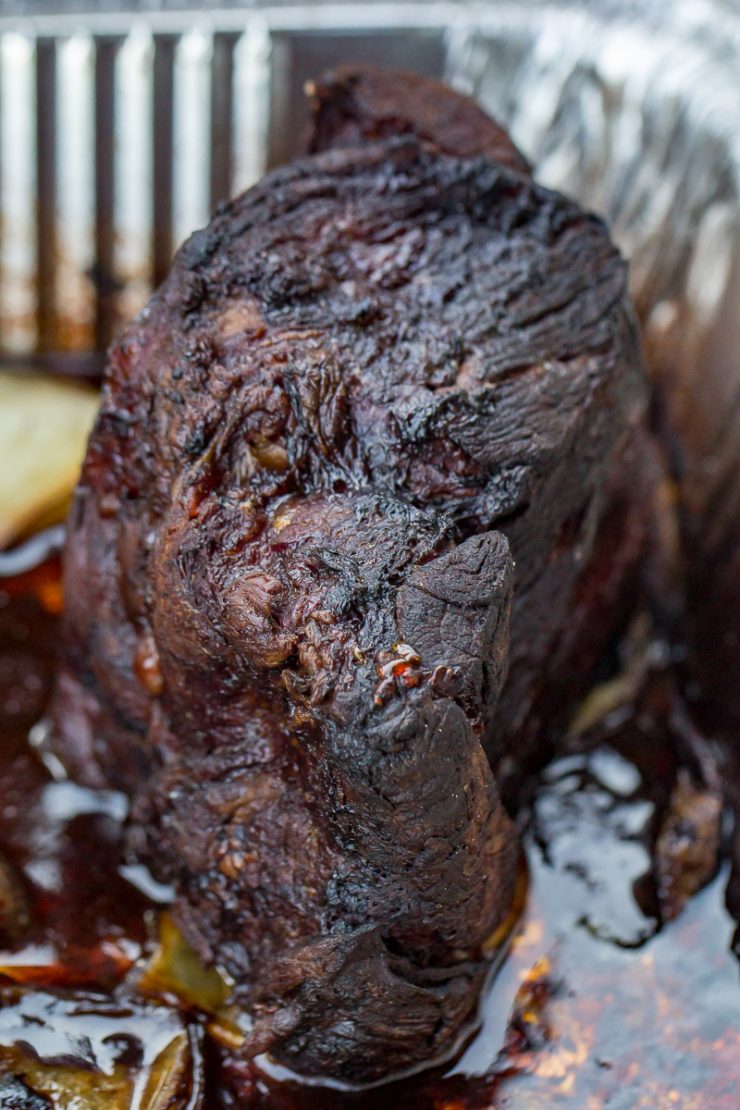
<point>123,124</point>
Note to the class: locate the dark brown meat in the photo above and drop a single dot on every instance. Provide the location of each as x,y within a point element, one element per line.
<point>289,573</point>
<point>359,104</point>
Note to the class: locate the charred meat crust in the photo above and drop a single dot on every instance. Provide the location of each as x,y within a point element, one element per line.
<point>376,441</point>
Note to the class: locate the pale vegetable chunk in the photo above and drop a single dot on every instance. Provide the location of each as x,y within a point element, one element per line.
<point>44,425</point>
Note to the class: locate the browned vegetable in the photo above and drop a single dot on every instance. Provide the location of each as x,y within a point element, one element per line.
<point>86,1052</point>
<point>688,844</point>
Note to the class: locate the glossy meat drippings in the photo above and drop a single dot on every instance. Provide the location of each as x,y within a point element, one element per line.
<point>375,442</point>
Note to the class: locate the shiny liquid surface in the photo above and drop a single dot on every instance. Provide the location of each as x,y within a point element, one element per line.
<point>618,988</point>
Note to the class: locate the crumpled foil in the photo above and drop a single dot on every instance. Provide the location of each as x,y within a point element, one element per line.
<point>635,110</point>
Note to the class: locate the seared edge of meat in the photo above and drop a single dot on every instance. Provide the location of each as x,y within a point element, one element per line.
<point>288,578</point>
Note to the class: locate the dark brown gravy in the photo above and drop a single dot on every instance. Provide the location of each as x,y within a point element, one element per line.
<point>599,1002</point>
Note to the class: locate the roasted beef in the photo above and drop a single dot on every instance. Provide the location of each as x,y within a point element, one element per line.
<point>375,442</point>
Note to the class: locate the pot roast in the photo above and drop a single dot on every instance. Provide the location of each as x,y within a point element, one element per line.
<point>368,495</point>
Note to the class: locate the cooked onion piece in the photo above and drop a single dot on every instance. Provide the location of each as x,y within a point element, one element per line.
<point>44,425</point>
